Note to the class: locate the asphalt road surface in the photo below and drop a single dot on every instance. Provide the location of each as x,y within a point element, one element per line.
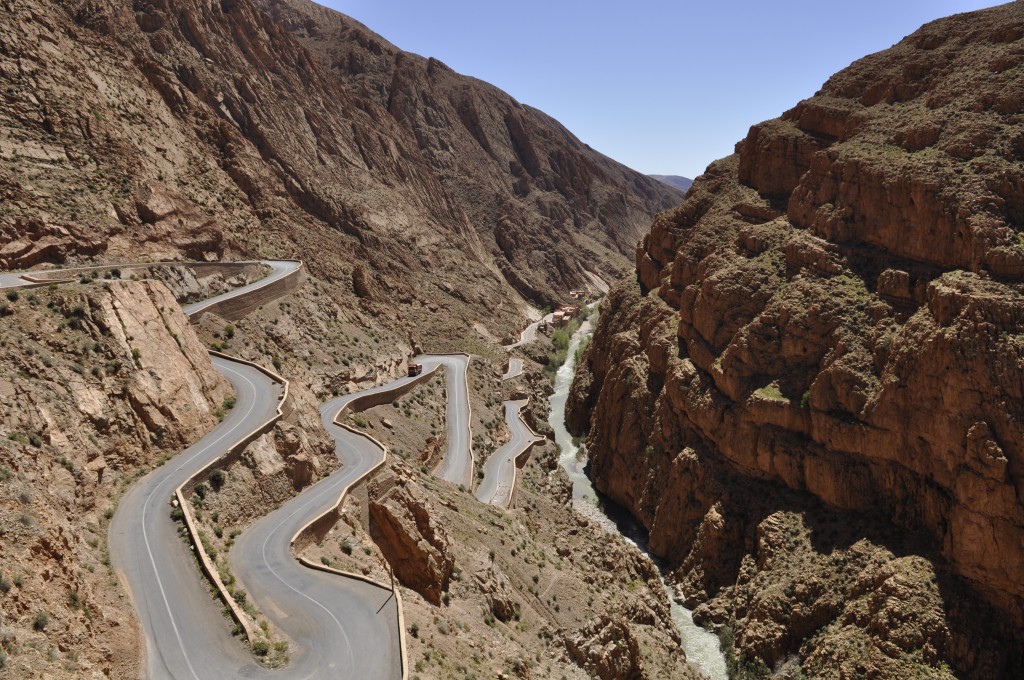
<point>529,333</point>
<point>337,627</point>
<point>279,270</point>
<point>500,469</point>
<point>515,369</point>
<point>457,466</point>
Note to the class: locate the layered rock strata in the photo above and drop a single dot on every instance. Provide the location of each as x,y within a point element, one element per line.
<point>837,310</point>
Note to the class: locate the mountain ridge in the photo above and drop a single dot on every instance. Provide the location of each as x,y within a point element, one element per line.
<point>677,181</point>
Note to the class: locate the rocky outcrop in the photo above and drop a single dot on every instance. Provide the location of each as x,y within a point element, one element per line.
<point>607,649</point>
<point>413,542</point>
<point>97,384</point>
<point>836,310</point>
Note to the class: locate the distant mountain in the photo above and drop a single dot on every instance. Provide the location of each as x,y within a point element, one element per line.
<point>681,183</point>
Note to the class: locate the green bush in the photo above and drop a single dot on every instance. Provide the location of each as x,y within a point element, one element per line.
<point>217,479</point>
<point>41,621</point>
<point>560,339</point>
<point>261,648</point>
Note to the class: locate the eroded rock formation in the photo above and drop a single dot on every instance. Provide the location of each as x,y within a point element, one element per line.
<point>837,310</point>
<point>414,543</point>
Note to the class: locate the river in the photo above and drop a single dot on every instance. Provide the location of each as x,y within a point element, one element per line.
<point>701,646</point>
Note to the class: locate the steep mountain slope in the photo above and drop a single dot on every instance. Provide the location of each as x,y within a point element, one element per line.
<point>550,203</point>
<point>207,130</point>
<point>824,360</point>
<point>681,183</point>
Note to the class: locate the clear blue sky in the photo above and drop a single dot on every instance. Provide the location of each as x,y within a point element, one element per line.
<point>663,86</point>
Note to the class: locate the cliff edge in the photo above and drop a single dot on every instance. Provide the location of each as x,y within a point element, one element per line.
<point>822,356</point>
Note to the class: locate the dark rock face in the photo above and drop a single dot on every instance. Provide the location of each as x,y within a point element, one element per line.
<point>542,201</point>
<point>835,311</point>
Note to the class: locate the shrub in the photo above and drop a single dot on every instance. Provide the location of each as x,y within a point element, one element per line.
<point>261,648</point>
<point>5,584</point>
<point>229,331</point>
<point>560,339</point>
<point>12,295</point>
<point>217,479</point>
<point>41,621</point>
<point>202,490</point>
<point>229,402</point>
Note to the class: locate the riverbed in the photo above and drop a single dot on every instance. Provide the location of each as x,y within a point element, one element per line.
<point>701,646</point>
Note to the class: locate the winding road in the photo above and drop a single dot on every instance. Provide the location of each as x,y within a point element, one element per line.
<point>500,470</point>
<point>515,369</point>
<point>338,627</point>
<point>279,269</point>
<point>457,466</point>
<point>530,332</point>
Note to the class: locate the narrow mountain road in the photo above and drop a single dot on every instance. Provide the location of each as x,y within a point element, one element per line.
<point>279,270</point>
<point>458,463</point>
<point>530,332</point>
<point>500,470</point>
<point>515,369</point>
<point>339,627</point>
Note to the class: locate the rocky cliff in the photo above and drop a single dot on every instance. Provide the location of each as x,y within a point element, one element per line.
<point>97,386</point>
<point>210,130</point>
<point>832,323</point>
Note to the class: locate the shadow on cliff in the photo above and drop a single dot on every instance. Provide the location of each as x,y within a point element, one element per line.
<point>762,516</point>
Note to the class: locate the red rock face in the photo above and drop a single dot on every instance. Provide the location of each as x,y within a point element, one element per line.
<point>838,310</point>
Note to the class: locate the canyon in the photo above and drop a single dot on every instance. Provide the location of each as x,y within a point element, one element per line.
<point>811,394</point>
<point>433,214</point>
